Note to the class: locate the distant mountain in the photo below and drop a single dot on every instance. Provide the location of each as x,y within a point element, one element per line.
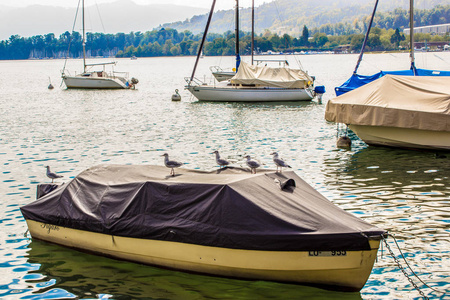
<point>289,16</point>
<point>120,16</point>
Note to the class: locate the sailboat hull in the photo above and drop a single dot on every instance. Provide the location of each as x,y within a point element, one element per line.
<point>403,137</point>
<point>346,270</point>
<point>79,82</point>
<point>249,94</point>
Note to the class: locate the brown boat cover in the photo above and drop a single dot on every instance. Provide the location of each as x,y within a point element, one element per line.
<point>417,102</point>
<point>229,208</point>
<point>271,77</point>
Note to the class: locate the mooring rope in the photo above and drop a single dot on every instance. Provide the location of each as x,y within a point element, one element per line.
<point>409,267</point>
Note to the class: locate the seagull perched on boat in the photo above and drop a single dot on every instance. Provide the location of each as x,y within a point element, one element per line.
<point>279,162</point>
<point>253,164</point>
<point>220,161</point>
<point>52,175</point>
<point>171,163</point>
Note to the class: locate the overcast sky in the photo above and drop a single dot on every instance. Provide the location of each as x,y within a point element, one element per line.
<point>220,4</point>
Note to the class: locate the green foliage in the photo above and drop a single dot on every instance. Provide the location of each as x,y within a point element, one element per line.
<point>331,28</point>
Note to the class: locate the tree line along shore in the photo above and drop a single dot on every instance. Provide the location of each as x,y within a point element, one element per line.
<point>339,37</point>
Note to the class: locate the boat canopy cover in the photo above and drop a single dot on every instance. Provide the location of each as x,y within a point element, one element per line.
<point>229,208</point>
<point>356,80</point>
<point>416,102</point>
<point>272,77</point>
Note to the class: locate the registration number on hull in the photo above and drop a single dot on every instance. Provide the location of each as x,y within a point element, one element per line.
<point>327,253</point>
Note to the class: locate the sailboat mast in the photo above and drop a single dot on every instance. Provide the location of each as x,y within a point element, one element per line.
<point>411,34</point>
<point>84,37</point>
<point>366,38</point>
<point>199,53</point>
<point>253,27</point>
<point>238,58</point>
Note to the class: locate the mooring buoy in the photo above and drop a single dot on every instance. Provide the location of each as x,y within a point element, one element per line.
<point>176,96</point>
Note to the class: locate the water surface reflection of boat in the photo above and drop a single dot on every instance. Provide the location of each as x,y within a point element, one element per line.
<point>268,226</point>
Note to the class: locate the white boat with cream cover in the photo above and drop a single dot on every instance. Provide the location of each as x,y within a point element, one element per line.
<point>253,83</point>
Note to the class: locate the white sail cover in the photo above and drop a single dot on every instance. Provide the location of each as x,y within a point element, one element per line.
<point>417,102</point>
<point>271,77</point>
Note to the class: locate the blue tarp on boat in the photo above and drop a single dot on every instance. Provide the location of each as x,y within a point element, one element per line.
<point>357,80</point>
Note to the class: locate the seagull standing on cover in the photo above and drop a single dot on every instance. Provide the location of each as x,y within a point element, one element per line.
<point>279,162</point>
<point>52,175</point>
<point>253,164</point>
<point>220,161</point>
<point>171,163</point>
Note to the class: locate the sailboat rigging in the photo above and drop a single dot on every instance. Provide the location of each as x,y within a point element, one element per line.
<point>252,83</point>
<point>357,80</point>
<point>96,79</point>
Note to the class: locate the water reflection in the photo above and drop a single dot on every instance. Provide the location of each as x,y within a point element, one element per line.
<point>85,276</point>
<point>402,191</point>
<point>405,192</point>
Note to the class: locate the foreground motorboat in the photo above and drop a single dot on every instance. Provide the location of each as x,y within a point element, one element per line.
<point>397,111</point>
<point>263,226</point>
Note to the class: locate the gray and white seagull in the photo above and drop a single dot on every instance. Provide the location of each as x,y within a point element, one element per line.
<point>52,175</point>
<point>253,164</point>
<point>171,163</point>
<point>279,162</point>
<point>220,161</point>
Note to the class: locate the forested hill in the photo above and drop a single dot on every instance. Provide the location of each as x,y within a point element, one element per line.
<point>289,16</point>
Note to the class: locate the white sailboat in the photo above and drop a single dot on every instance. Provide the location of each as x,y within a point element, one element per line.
<point>92,78</point>
<point>253,83</point>
<point>258,84</point>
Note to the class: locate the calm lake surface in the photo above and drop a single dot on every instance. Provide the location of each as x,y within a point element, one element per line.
<point>402,191</point>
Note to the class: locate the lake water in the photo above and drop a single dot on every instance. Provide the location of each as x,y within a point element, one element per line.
<point>402,191</point>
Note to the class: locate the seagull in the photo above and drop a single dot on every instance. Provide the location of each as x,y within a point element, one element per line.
<point>171,163</point>
<point>253,164</point>
<point>221,162</point>
<point>52,175</point>
<point>279,162</point>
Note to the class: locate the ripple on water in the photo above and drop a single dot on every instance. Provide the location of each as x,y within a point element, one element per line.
<point>404,192</point>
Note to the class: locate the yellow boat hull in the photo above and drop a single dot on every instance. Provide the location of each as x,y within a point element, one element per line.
<point>341,270</point>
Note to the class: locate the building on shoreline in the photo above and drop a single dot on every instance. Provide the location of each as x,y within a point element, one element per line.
<point>441,29</point>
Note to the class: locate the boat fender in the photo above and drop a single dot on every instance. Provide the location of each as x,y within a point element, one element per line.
<point>344,142</point>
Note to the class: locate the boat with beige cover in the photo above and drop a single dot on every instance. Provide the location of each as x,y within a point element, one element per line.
<point>397,111</point>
